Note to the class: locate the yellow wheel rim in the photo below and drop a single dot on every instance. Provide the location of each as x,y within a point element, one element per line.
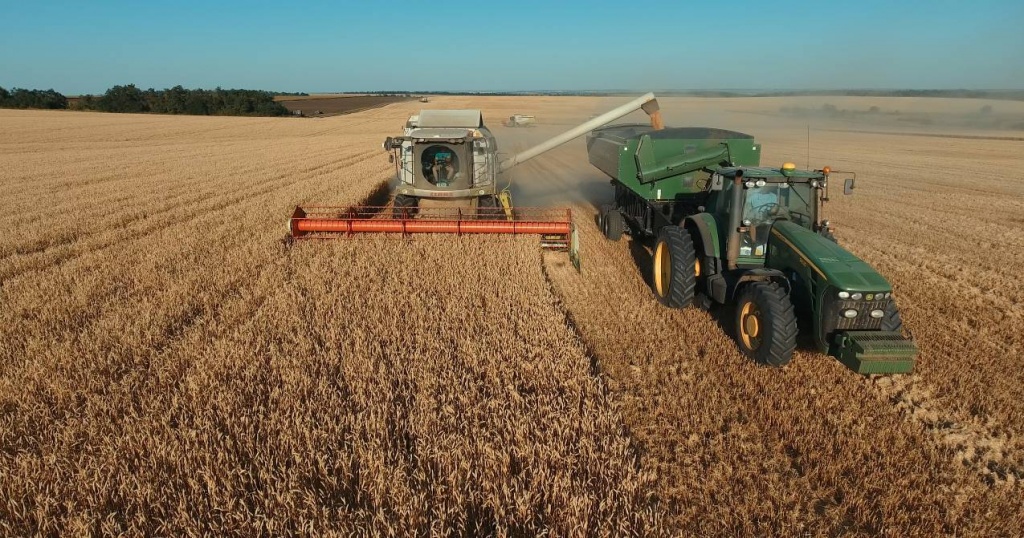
<point>750,326</point>
<point>696,268</point>
<point>662,269</point>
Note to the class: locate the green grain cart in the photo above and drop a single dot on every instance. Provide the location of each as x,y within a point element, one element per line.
<point>725,230</point>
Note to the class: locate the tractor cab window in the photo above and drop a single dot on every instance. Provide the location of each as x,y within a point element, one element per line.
<point>440,165</point>
<point>760,208</point>
<point>799,203</point>
<point>774,201</point>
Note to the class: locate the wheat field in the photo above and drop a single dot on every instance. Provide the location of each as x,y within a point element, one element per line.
<point>168,367</point>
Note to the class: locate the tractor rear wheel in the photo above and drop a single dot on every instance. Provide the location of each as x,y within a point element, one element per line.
<point>674,267</point>
<point>405,206</point>
<point>612,223</point>
<point>765,324</point>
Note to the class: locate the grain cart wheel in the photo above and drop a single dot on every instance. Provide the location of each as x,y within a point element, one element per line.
<point>892,321</point>
<point>701,299</point>
<point>488,208</point>
<point>674,267</point>
<point>765,324</point>
<point>612,223</point>
<point>405,206</point>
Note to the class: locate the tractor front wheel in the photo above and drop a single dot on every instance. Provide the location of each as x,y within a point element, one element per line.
<point>765,324</point>
<point>674,267</point>
<point>892,321</point>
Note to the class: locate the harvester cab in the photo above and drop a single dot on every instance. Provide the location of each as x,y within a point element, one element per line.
<point>445,154</point>
<point>450,158</point>
<point>727,231</point>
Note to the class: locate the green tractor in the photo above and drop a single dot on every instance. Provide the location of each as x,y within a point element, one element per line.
<point>726,231</point>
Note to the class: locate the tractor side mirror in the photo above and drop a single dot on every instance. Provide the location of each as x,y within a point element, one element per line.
<point>848,186</point>
<point>387,143</point>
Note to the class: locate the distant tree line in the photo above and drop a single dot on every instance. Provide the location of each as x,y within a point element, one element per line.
<point>176,100</point>
<point>22,98</point>
<point>179,100</point>
<point>1017,95</point>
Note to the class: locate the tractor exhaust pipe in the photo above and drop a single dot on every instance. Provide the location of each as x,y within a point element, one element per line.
<point>732,252</point>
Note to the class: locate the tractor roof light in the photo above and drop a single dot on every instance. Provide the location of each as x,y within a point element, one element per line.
<point>749,184</point>
<point>787,169</point>
<point>844,295</point>
<point>760,183</point>
<point>827,170</point>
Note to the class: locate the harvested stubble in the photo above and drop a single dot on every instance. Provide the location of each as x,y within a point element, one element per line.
<point>941,219</point>
<point>166,369</point>
<point>747,450</point>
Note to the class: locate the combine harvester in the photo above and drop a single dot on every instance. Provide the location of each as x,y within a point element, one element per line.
<point>725,230</point>
<point>520,120</point>
<point>449,170</point>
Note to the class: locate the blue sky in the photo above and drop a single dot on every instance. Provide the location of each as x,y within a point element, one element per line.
<point>317,46</point>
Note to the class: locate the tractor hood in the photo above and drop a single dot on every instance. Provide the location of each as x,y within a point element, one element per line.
<point>831,261</point>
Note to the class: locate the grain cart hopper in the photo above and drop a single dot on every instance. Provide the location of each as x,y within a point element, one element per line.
<point>450,158</point>
<point>725,230</point>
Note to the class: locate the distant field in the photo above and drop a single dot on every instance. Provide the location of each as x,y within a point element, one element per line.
<point>335,104</point>
<point>167,368</point>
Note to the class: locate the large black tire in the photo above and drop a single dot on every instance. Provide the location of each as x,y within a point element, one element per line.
<point>405,206</point>
<point>612,223</point>
<point>701,299</point>
<point>766,324</point>
<point>892,321</point>
<point>673,267</point>
<point>488,208</point>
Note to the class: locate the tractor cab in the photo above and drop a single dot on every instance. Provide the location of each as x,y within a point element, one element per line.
<point>757,197</point>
